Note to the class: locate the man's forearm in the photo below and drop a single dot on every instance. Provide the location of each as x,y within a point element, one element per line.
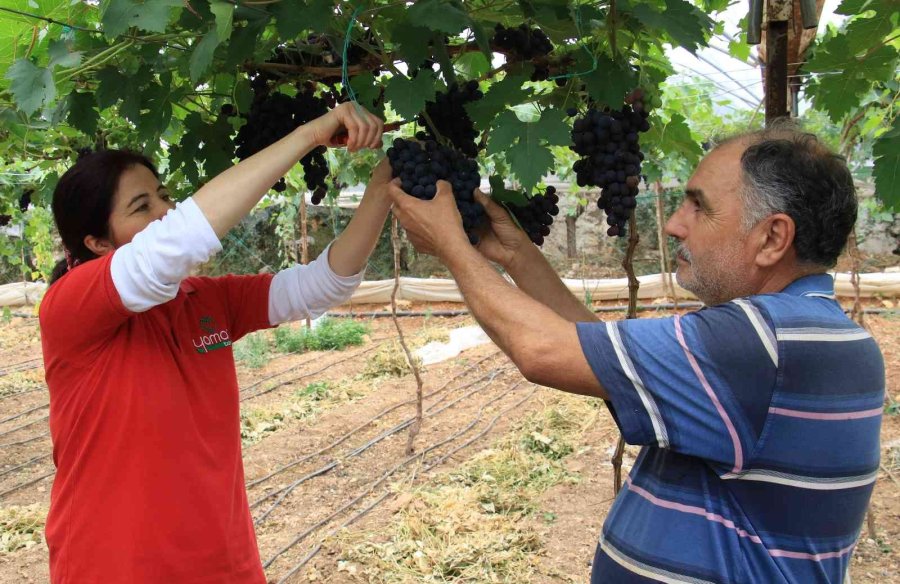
<point>534,275</point>
<point>505,313</point>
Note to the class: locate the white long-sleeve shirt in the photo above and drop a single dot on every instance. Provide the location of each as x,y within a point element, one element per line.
<point>148,271</point>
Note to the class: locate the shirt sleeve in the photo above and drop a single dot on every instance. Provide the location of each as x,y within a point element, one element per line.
<point>698,384</point>
<point>82,310</point>
<point>246,300</point>
<point>148,270</point>
<point>307,291</point>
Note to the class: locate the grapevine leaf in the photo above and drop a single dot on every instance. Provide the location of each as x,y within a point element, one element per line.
<point>289,21</point>
<point>409,37</point>
<point>609,82</point>
<point>886,151</point>
<point>501,194</point>
<point>529,160</point>
<point>553,128</point>
<point>31,86</point>
<point>318,14</point>
<point>473,64</point>
<point>367,91</point>
<point>446,16</point>
<point>684,24</point>
<point>863,32</point>
<point>149,15</point>
<point>408,96</point>
<point>504,131</point>
<point>674,137</point>
<point>202,56</point>
<point>61,57</point>
<point>881,64</point>
<point>110,86</point>
<point>243,42</point>
<point>224,12</point>
<point>739,49</point>
<point>839,94</point>
<point>851,7</point>
<point>82,114</point>
<point>829,56</point>
<point>507,91</point>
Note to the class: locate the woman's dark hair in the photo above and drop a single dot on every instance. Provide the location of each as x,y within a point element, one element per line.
<point>83,200</point>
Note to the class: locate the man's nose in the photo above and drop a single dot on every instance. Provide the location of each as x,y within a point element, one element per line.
<point>675,226</point>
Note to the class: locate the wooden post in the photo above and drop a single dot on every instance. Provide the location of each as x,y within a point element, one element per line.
<point>665,268</point>
<point>571,233</point>
<point>778,14</point>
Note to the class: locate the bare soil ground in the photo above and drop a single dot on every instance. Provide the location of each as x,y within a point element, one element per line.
<point>509,482</point>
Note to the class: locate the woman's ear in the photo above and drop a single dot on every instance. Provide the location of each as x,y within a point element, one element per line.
<point>99,246</point>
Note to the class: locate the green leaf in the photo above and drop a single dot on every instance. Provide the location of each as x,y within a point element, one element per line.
<point>529,160</point>
<point>61,57</point>
<point>681,21</point>
<point>673,138</point>
<point>886,151</point>
<point>202,56</point>
<point>408,96</point>
<point>367,91</point>
<point>243,42</point>
<point>446,16</point>
<point>504,131</point>
<point>501,194</point>
<point>838,95</point>
<point>554,129</point>
<point>82,114</point>
<point>473,64</point>
<point>149,15</point>
<point>609,83</point>
<point>410,38</point>
<point>851,7</point>
<point>739,49</point>
<point>509,90</point>
<point>224,12</point>
<point>111,82</point>
<point>288,20</point>
<point>31,86</point>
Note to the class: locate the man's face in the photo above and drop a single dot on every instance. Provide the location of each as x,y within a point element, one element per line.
<point>713,259</point>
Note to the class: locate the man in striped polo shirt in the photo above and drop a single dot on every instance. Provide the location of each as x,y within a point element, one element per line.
<point>759,415</point>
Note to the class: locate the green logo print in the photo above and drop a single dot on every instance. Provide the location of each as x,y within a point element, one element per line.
<point>213,339</point>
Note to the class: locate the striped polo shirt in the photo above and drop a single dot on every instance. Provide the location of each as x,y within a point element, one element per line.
<point>759,420</point>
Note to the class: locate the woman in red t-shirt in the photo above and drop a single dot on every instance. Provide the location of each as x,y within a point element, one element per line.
<point>144,408</point>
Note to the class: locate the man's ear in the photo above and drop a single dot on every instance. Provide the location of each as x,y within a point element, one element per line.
<point>776,238</point>
<point>100,246</point>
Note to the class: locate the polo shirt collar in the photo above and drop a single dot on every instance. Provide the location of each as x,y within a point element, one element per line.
<point>815,284</point>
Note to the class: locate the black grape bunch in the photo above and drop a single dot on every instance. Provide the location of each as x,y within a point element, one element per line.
<point>537,215</point>
<point>273,116</point>
<point>524,43</point>
<point>420,166</point>
<point>448,114</point>
<point>609,146</point>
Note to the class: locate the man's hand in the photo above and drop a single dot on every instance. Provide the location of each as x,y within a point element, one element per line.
<point>434,227</point>
<point>348,124</point>
<point>503,241</point>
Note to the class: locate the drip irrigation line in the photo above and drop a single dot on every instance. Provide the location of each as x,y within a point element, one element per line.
<point>368,422</point>
<point>18,393</point>
<point>26,441</point>
<point>24,464</point>
<point>23,426</point>
<point>287,490</point>
<point>25,413</point>
<point>390,472</point>
<point>308,374</point>
<point>26,484</point>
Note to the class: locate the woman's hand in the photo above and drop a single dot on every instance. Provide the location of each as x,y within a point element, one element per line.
<point>348,124</point>
<point>503,241</point>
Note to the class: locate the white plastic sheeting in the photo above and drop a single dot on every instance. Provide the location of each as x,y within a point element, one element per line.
<point>882,284</point>
<point>460,339</point>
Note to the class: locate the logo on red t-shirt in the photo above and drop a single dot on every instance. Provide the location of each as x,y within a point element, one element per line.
<point>213,339</point>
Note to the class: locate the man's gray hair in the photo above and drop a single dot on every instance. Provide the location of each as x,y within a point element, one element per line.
<point>787,170</point>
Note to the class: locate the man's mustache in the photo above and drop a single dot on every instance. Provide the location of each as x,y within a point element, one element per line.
<point>683,252</point>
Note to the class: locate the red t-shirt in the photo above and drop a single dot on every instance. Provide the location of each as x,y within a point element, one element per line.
<point>145,422</point>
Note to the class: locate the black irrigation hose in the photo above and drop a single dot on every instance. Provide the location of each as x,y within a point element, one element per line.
<point>284,492</point>
<point>24,464</point>
<point>27,484</point>
<point>26,441</point>
<point>372,505</point>
<point>23,426</point>
<point>387,474</point>
<point>372,420</point>
<point>25,413</point>
<point>309,374</point>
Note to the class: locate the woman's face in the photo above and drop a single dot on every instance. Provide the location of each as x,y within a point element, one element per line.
<point>139,200</point>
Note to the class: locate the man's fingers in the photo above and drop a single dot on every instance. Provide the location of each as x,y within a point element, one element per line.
<point>494,211</point>
<point>443,189</point>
